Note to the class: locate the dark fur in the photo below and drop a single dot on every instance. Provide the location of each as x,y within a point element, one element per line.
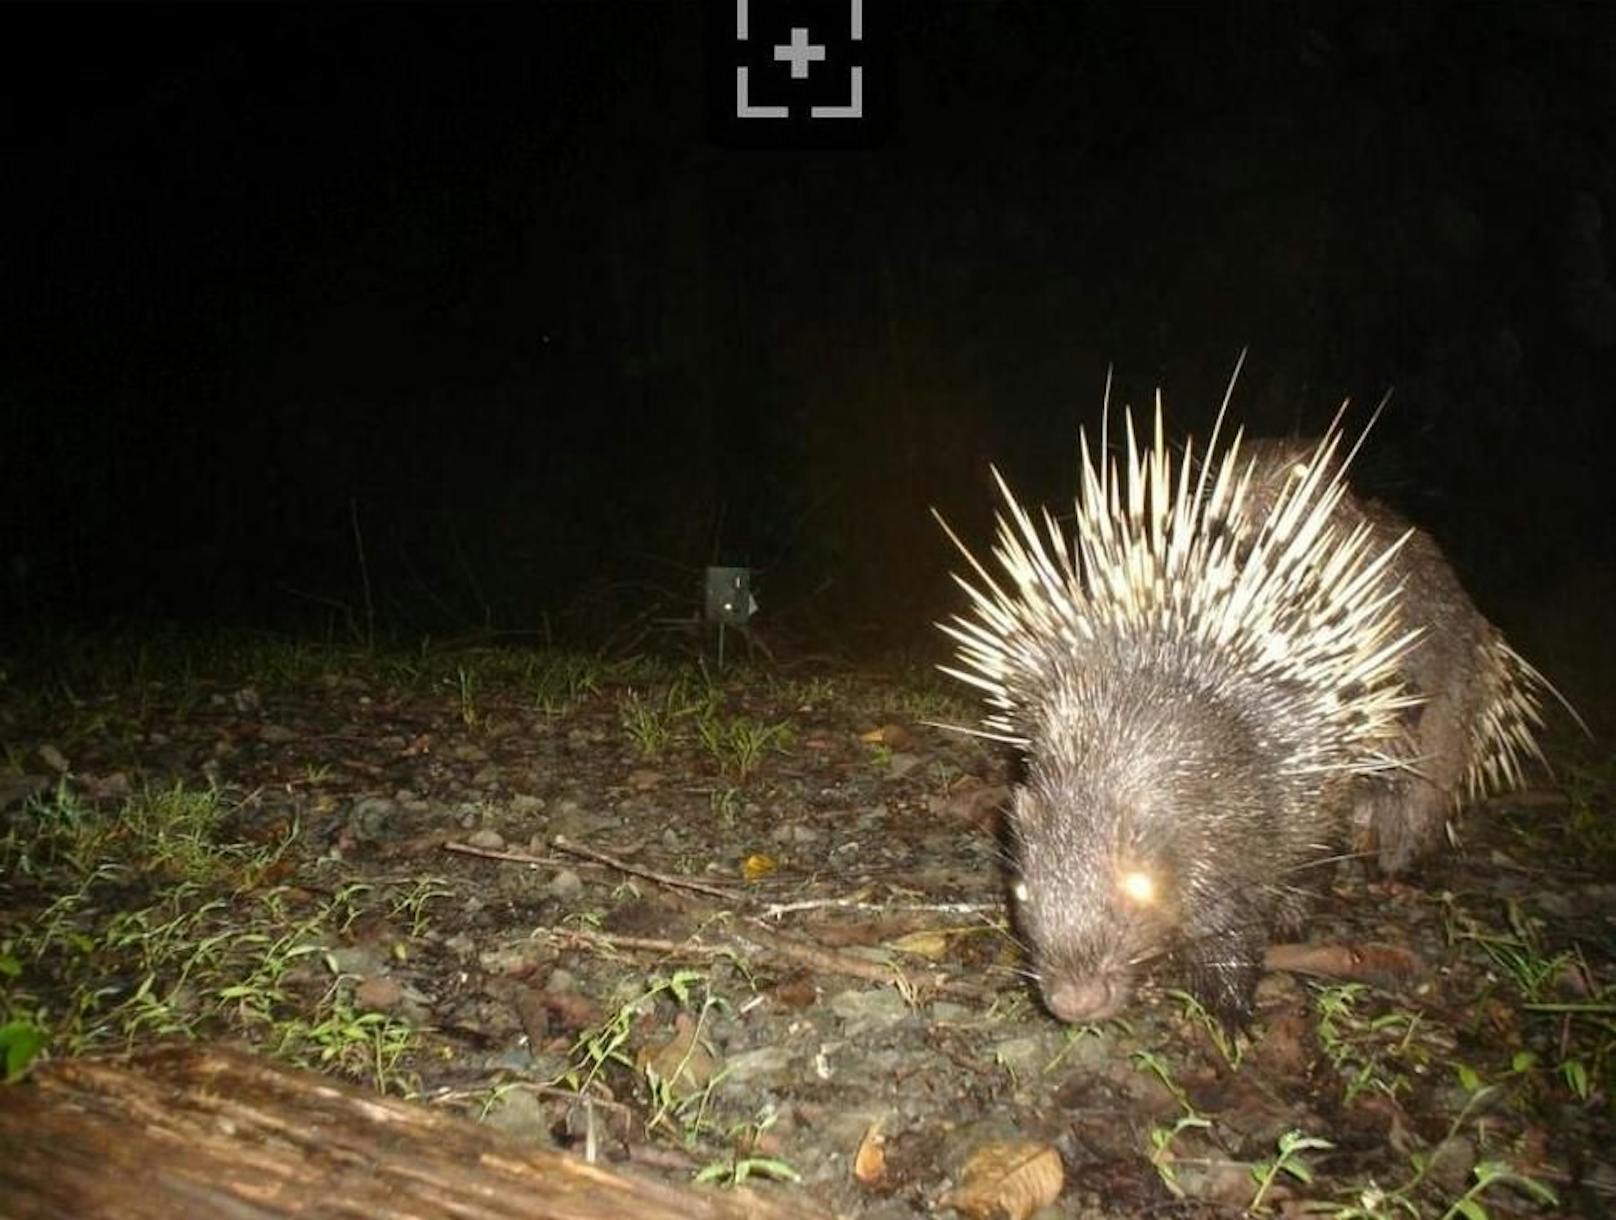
<point>1401,815</point>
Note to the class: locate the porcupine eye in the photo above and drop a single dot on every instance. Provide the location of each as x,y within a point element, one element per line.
<point>1140,872</point>
<point>1138,886</point>
<point>1143,881</point>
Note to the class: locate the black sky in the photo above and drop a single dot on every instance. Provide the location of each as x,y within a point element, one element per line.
<point>492,288</point>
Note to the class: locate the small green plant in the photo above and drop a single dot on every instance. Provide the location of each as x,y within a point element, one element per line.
<point>1521,1064</point>
<point>494,1097</point>
<point>465,682</point>
<point>559,680</point>
<point>148,1014</point>
<point>1074,1034</point>
<point>1363,1050</point>
<point>1376,1203</point>
<point>739,744</point>
<point>180,940</point>
<point>919,695</point>
<point>1149,1061</point>
<point>344,906</point>
<point>648,726</point>
<point>1575,1074</point>
<point>1289,1161</point>
<point>253,999</point>
<point>807,692</point>
<point>1227,1044</point>
<point>602,1045</point>
<point>725,802</point>
<point>1518,954</point>
<point>412,903</point>
<point>1497,1173</point>
<point>21,1040</point>
<point>1162,1158</point>
<point>650,722</point>
<point>365,1046</point>
<point>20,1044</point>
<point>734,1169</point>
<point>1585,1032</point>
<point>679,1103</point>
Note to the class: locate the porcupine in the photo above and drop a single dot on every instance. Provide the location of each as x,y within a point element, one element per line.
<point>1221,673</point>
<point>1479,701</point>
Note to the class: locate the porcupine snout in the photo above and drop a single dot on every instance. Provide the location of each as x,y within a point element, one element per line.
<point>1082,966</point>
<point>1083,999</point>
<point>1092,899</point>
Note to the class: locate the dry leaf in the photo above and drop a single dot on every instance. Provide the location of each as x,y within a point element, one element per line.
<point>796,990</point>
<point>1287,1044</point>
<point>1380,965</point>
<point>683,1061</point>
<point>870,1161</point>
<point>534,1015</point>
<point>571,1010</point>
<point>927,944</point>
<point>893,736</point>
<point>1010,1180</point>
<point>758,866</point>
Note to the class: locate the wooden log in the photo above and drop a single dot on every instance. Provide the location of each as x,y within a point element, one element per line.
<point>213,1131</point>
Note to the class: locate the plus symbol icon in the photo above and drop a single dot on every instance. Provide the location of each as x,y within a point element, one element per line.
<point>799,53</point>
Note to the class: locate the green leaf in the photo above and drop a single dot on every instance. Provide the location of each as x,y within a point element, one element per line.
<point>1542,1190</point>
<point>20,1042</point>
<point>773,1168</point>
<point>1576,1077</point>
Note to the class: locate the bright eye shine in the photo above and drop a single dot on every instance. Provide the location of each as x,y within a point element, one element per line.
<point>1138,887</point>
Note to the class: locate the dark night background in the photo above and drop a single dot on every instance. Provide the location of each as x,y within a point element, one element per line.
<point>490,283</point>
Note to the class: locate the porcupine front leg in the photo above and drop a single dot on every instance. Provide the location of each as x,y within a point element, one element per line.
<point>1225,962</point>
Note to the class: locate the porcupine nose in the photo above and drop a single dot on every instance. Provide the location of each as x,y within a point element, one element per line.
<point>1086,997</point>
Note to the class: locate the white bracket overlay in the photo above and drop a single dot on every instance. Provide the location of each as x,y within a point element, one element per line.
<point>801,53</point>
